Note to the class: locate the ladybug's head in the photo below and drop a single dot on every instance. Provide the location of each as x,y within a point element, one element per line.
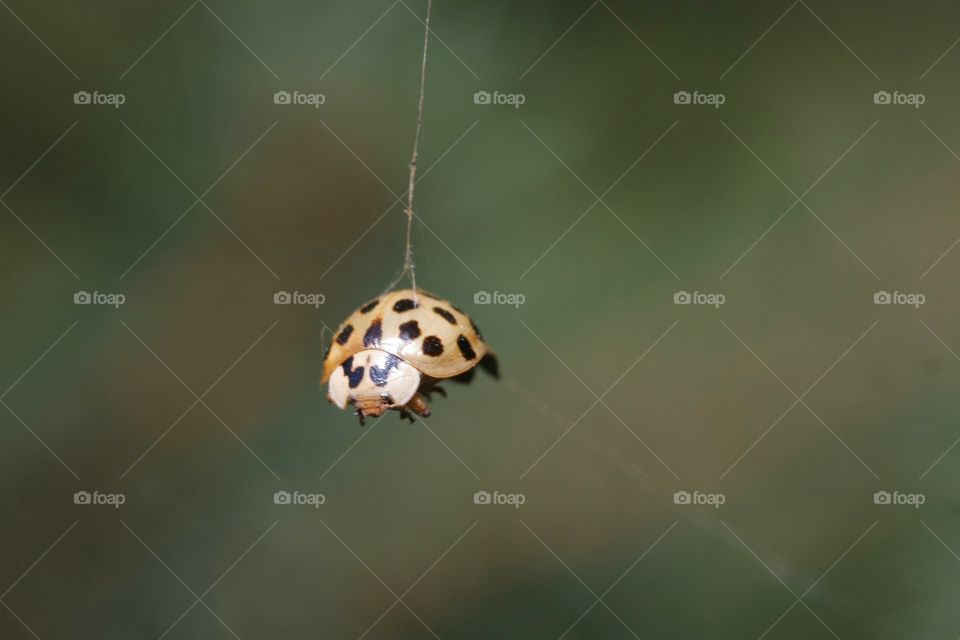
<point>373,381</point>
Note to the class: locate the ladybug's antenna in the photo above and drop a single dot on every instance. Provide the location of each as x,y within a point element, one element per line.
<point>408,266</point>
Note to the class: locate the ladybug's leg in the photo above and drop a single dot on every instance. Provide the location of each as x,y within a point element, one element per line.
<point>427,392</point>
<point>418,404</point>
<point>428,386</point>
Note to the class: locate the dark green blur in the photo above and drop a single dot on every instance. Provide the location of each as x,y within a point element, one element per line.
<point>312,208</point>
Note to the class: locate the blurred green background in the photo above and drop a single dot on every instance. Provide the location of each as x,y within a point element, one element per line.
<point>197,399</point>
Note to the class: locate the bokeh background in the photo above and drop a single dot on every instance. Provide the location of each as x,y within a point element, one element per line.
<point>597,200</point>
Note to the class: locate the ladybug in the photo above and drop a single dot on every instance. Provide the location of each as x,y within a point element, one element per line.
<point>391,353</point>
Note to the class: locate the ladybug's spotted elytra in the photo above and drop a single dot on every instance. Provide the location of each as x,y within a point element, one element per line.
<point>391,353</point>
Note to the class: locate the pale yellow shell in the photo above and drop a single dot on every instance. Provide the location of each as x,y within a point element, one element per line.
<point>391,316</point>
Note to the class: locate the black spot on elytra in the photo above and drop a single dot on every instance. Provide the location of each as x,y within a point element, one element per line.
<point>379,375</point>
<point>354,376</point>
<point>409,330</point>
<point>345,334</point>
<point>404,305</point>
<point>367,308</point>
<point>476,330</point>
<point>466,348</point>
<point>446,315</point>
<point>432,346</point>
<point>372,337</point>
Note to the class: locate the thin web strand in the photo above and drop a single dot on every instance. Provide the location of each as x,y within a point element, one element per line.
<point>408,265</point>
